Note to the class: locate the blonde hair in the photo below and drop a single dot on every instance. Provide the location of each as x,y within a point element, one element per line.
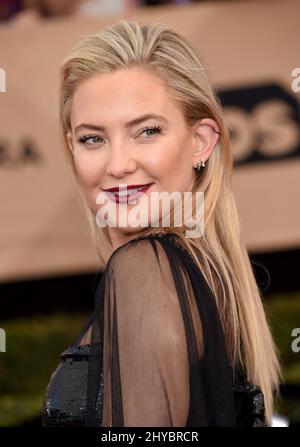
<point>221,252</point>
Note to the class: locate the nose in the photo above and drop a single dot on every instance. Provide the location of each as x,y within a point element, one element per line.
<point>120,161</point>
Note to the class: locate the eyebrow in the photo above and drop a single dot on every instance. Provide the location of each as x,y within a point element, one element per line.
<point>132,123</point>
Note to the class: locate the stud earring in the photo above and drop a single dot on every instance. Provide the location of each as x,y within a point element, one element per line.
<point>199,165</point>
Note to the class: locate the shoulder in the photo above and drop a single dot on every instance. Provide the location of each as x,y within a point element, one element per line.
<point>135,249</point>
<point>143,268</point>
<point>146,254</point>
<point>141,246</point>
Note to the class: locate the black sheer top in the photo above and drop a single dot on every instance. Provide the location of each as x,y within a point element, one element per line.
<point>153,351</point>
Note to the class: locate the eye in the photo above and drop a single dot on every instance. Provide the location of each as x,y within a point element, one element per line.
<point>86,139</point>
<point>154,129</point>
<point>92,140</point>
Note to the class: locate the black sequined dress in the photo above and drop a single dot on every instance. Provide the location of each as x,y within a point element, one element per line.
<point>157,353</point>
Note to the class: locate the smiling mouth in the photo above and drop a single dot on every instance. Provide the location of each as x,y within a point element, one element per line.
<point>127,195</point>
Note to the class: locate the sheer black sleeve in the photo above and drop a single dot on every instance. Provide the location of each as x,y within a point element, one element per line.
<point>158,342</point>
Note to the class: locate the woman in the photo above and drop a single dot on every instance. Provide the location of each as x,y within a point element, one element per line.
<point>178,335</point>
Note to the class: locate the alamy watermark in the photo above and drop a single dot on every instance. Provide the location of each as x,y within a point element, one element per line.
<point>296,82</point>
<point>296,342</point>
<point>2,340</point>
<point>2,80</point>
<point>146,210</point>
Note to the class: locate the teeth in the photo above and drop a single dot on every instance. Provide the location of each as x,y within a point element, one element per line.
<point>128,192</point>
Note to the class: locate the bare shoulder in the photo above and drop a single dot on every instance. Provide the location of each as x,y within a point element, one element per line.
<point>136,251</point>
<point>143,252</point>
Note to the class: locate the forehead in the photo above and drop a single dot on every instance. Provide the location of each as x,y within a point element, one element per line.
<point>122,95</point>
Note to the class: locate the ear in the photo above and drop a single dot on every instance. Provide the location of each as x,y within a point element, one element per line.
<point>206,137</point>
<point>70,141</point>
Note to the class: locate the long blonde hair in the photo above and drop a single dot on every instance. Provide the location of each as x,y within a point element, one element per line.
<point>221,252</point>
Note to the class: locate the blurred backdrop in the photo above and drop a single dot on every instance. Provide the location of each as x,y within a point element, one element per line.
<point>48,267</point>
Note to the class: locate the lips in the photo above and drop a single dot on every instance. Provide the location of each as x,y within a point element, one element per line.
<point>125,195</point>
<point>126,187</point>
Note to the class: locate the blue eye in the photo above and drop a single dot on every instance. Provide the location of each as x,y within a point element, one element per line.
<point>86,138</point>
<point>92,140</point>
<point>155,129</point>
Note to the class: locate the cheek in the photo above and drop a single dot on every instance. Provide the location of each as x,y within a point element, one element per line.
<point>88,170</point>
<point>89,176</point>
<point>165,159</point>
<point>171,167</point>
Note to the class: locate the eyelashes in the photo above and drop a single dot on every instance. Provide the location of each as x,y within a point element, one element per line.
<point>85,138</point>
<point>157,129</point>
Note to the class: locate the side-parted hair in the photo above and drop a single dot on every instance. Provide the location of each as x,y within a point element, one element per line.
<point>220,252</point>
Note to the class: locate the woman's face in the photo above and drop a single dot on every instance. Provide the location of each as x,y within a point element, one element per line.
<point>112,145</point>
